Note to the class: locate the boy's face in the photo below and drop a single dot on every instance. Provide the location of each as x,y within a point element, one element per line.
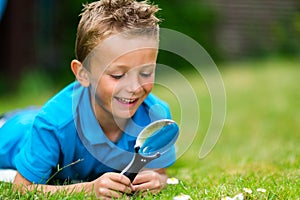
<point>122,76</point>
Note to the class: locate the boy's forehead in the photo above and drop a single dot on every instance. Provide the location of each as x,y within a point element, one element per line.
<point>115,46</point>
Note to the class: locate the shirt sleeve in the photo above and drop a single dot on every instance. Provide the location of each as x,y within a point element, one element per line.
<point>165,160</point>
<point>40,154</point>
<point>160,110</point>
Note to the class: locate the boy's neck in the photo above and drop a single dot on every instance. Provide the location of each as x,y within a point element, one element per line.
<point>112,127</point>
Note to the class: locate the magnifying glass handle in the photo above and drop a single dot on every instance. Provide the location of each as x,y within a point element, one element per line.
<point>136,164</point>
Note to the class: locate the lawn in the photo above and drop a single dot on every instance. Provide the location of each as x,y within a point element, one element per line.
<point>258,151</point>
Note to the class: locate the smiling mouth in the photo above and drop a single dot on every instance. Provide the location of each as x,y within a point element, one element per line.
<point>127,101</point>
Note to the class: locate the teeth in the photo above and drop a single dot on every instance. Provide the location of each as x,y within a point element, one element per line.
<point>126,100</point>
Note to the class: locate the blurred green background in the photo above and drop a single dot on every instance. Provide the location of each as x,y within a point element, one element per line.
<point>37,36</point>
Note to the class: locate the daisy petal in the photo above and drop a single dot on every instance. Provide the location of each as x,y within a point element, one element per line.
<point>172,181</point>
<point>247,190</point>
<point>261,190</point>
<point>239,197</point>
<point>236,197</point>
<point>182,197</point>
<point>227,198</point>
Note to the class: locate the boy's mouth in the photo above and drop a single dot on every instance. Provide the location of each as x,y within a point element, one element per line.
<point>126,100</point>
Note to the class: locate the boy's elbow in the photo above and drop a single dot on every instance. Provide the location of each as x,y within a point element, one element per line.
<point>20,181</point>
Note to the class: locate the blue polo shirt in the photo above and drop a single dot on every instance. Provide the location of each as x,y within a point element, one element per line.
<point>65,132</point>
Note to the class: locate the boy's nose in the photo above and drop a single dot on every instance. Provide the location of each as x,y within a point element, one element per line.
<point>133,85</point>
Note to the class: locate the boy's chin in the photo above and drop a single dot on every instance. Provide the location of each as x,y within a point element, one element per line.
<point>123,115</point>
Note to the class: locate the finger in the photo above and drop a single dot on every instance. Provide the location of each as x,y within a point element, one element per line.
<point>115,182</point>
<point>145,177</point>
<point>105,193</point>
<point>120,178</point>
<point>139,180</point>
<point>112,183</point>
<point>120,187</point>
<point>144,187</point>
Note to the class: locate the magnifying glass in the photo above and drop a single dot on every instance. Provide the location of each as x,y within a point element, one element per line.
<point>152,142</point>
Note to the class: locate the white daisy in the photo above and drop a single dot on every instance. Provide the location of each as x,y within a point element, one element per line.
<point>247,190</point>
<point>182,197</point>
<point>236,197</point>
<point>261,190</point>
<point>172,181</point>
<point>226,198</point>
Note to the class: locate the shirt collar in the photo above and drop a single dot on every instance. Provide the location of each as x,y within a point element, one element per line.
<point>93,132</point>
<point>88,122</point>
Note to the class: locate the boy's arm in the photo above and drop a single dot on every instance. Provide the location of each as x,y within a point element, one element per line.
<point>108,185</point>
<point>152,180</point>
<point>25,184</point>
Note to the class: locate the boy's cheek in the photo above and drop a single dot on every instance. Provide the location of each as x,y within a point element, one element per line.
<point>148,86</point>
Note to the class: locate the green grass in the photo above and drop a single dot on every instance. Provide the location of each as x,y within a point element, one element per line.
<point>258,147</point>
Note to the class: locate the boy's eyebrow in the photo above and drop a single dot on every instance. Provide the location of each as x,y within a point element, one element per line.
<point>148,65</point>
<point>122,66</point>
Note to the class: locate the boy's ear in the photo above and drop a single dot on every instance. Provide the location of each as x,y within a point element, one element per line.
<point>80,73</point>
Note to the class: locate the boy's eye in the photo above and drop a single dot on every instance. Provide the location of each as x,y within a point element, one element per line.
<point>117,76</point>
<point>146,74</point>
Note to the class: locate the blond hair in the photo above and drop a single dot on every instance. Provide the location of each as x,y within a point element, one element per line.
<point>103,18</point>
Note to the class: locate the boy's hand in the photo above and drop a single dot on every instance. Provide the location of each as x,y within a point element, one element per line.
<point>150,180</point>
<point>112,185</point>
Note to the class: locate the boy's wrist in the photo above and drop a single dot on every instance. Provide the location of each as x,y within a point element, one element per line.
<point>88,186</point>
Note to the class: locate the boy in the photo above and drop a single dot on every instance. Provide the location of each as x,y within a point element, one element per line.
<point>87,131</point>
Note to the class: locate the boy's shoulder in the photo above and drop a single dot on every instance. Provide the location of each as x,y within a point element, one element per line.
<point>58,110</point>
<point>157,108</point>
<point>152,99</point>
